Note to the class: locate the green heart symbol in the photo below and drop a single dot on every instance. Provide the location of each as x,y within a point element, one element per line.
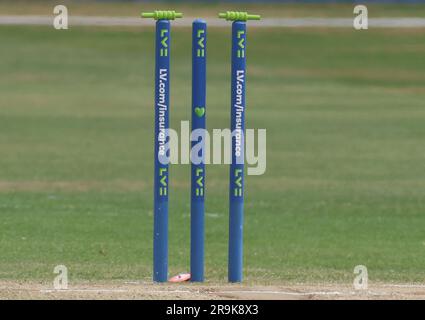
<point>200,111</point>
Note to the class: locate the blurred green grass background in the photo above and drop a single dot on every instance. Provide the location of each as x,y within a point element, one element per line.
<point>203,9</point>
<point>344,113</point>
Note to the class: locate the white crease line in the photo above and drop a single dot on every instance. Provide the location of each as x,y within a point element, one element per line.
<point>281,292</point>
<point>317,293</point>
<point>81,290</point>
<point>134,282</point>
<point>405,286</point>
<point>245,292</point>
<point>171,291</point>
<point>144,283</point>
<point>115,290</point>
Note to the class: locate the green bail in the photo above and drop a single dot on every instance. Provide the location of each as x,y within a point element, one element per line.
<point>238,16</point>
<point>162,15</point>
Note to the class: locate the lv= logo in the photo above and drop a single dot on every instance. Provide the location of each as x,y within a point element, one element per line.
<point>164,43</point>
<point>241,44</point>
<point>200,52</point>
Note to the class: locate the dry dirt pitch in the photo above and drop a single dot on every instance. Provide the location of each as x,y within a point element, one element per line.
<point>148,290</point>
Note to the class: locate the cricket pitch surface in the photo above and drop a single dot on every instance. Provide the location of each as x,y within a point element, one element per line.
<point>146,290</point>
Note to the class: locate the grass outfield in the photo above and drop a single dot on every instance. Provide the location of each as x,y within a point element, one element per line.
<point>45,7</point>
<point>344,113</point>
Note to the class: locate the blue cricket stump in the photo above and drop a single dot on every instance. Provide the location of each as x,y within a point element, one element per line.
<point>237,126</point>
<point>162,104</point>
<point>197,206</point>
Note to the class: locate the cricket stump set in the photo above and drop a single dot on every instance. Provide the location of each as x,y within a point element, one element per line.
<point>236,181</point>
